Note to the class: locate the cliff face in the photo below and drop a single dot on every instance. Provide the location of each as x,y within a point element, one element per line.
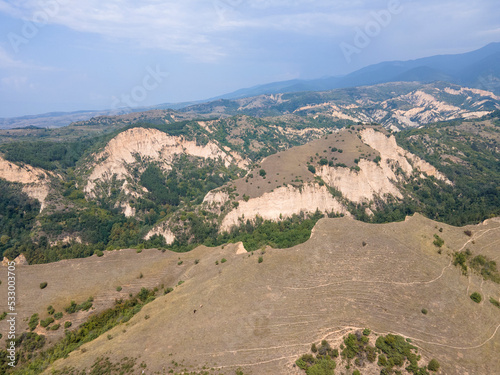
<point>133,148</point>
<point>283,203</point>
<point>35,180</point>
<point>390,151</point>
<point>377,179</point>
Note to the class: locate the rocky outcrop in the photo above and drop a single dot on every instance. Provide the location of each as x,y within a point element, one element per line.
<point>35,180</point>
<point>163,231</point>
<point>20,261</point>
<point>377,180</point>
<point>390,151</point>
<point>357,186</point>
<point>151,145</point>
<point>283,203</point>
<point>127,154</point>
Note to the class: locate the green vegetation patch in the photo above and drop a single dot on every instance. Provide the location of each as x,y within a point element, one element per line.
<point>95,326</point>
<point>481,264</point>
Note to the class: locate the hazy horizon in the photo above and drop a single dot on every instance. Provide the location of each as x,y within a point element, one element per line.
<point>60,56</point>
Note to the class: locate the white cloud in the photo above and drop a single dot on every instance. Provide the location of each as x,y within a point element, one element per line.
<point>208,29</point>
<point>198,28</point>
<point>17,83</point>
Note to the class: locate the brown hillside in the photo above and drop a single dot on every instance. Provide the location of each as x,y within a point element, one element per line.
<point>262,316</point>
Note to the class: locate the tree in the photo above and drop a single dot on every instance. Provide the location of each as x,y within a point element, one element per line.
<point>433,365</point>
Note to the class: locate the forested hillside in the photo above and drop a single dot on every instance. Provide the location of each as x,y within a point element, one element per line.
<point>159,201</point>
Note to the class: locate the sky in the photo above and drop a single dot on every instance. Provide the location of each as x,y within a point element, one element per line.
<point>68,55</point>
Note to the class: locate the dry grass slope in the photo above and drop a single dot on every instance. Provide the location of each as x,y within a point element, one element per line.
<point>262,316</point>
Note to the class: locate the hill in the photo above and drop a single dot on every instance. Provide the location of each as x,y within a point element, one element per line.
<point>476,69</point>
<point>261,316</point>
<point>394,105</point>
<point>257,180</point>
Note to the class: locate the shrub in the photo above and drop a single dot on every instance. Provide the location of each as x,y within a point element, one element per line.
<point>323,366</point>
<point>468,233</point>
<point>196,261</point>
<point>424,311</point>
<point>356,372</point>
<point>51,310</point>
<point>433,365</point>
<point>262,173</point>
<point>99,253</point>
<point>438,242</point>
<point>314,349</point>
<point>476,297</point>
<point>43,285</point>
<point>366,332</point>
<point>138,251</point>
<point>58,315</point>
<point>67,324</point>
<point>168,290</point>
<point>33,323</point>
<point>216,262</point>
<point>494,302</point>
<point>179,262</point>
<point>261,259</point>
<point>311,168</point>
<point>55,327</point>
<point>118,288</point>
<point>46,322</point>
<point>223,260</point>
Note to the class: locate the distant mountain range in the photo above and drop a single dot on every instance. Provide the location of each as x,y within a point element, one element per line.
<point>478,69</point>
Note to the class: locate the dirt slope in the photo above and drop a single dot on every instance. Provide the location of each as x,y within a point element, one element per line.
<point>262,316</point>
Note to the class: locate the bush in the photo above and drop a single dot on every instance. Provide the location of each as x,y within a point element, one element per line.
<point>99,253</point>
<point>51,310</point>
<point>494,302</point>
<point>433,365</point>
<point>468,233</point>
<point>58,315</point>
<point>118,288</point>
<point>323,366</point>
<point>311,168</point>
<point>366,332</point>
<point>33,323</point>
<point>223,260</point>
<point>67,324</point>
<point>55,327</point>
<point>476,297</point>
<point>262,173</point>
<point>424,311</point>
<point>43,285</point>
<point>45,323</point>
<point>261,259</point>
<point>438,242</point>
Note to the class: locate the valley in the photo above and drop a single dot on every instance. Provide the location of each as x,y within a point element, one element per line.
<point>229,237</point>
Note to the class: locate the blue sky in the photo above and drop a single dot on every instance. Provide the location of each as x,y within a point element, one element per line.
<point>66,55</point>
